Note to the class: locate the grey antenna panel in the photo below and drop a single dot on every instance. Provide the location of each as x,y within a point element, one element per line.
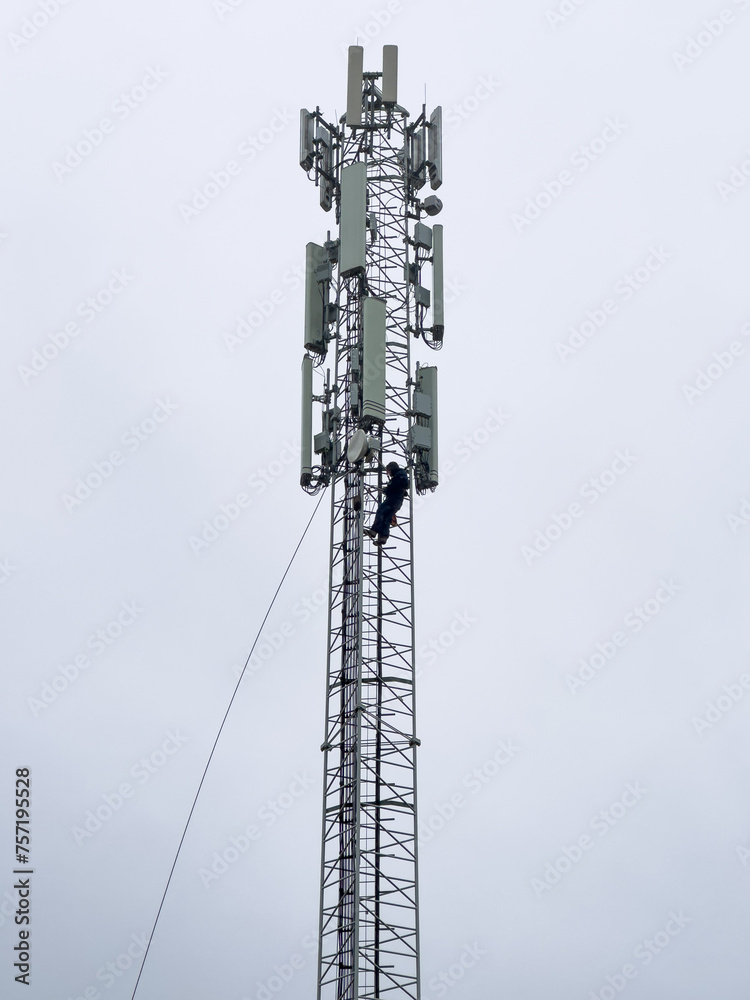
<point>422,295</point>
<point>306,139</point>
<point>435,148</point>
<point>353,218</point>
<point>326,168</point>
<point>420,438</point>
<point>373,361</point>
<point>423,236</point>
<point>438,286</point>
<point>390,73</point>
<point>307,401</point>
<point>354,85</point>
<point>316,298</point>
<point>417,158</point>
<point>428,384</point>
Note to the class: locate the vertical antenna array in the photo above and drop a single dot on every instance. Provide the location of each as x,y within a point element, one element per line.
<point>366,300</point>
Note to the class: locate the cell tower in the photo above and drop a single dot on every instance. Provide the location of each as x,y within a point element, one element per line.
<point>365,300</point>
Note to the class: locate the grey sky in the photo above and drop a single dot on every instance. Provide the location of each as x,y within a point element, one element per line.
<point>581,585</point>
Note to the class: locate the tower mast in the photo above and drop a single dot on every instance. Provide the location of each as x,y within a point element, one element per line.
<point>365,302</point>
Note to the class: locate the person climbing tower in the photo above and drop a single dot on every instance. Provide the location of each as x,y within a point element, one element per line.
<point>394,493</point>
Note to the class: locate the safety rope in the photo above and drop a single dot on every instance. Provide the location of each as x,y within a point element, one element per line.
<point>213,748</point>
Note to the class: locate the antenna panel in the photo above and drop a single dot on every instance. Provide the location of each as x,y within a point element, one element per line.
<point>435,148</point>
<point>325,171</point>
<point>306,139</point>
<point>354,86</point>
<point>416,165</point>
<point>316,297</point>
<point>438,293</point>
<point>427,384</point>
<point>353,218</point>
<point>390,73</point>
<point>307,401</point>
<point>373,361</point>
<point>423,236</point>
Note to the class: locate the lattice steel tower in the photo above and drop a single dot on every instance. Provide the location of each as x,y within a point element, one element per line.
<point>366,299</point>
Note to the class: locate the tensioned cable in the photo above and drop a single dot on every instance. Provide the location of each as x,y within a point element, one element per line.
<point>213,748</point>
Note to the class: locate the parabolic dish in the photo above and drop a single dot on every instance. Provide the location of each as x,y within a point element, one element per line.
<point>358,446</point>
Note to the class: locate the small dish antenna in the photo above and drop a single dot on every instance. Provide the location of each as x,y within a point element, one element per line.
<point>358,446</point>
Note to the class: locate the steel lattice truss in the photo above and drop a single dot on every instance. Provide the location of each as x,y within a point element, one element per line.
<point>369,910</point>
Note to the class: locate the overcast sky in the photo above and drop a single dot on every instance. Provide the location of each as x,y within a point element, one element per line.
<point>581,572</point>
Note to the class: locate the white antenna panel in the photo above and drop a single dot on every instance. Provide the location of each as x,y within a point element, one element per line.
<point>390,73</point>
<point>354,86</point>
<point>373,361</point>
<point>315,299</point>
<point>353,218</point>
